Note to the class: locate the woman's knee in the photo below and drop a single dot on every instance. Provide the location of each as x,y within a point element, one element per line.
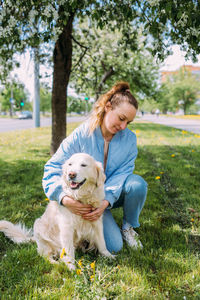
<point>136,183</point>
<point>115,244</point>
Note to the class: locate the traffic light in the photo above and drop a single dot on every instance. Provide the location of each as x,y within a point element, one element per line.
<point>22,103</point>
<point>86,98</point>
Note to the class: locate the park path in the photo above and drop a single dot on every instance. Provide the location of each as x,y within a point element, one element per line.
<point>180,123</point>
<point>9,124</point>
<point>184,124</point>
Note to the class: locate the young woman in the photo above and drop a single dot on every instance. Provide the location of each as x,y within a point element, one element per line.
<point>105,136</point>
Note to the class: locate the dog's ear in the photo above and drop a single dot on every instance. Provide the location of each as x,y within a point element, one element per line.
<point>101,177</point>
<point>64,171</point>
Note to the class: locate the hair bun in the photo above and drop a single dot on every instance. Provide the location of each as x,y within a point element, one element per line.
<point>121,86</point>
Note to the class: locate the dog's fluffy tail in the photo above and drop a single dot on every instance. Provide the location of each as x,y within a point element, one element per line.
<point>17,233</point>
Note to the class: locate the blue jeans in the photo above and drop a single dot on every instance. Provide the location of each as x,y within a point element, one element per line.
<point>132,200</point>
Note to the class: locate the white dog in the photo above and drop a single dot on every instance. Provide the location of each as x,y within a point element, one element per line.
<point>58,231</point>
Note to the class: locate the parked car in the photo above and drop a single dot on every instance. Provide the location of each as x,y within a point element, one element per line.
<point>25,115</point>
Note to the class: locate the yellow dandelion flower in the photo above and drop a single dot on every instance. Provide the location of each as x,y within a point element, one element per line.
<point>92,265</point>
<point>193,150</point>
<point>91,277</point>
<point>80,263</point>
<point>173,155</point>
<point>157,177</point>
<point>192,220</point>
<point>78,271</point>
<point>62,253</point>
<point>184,132</point>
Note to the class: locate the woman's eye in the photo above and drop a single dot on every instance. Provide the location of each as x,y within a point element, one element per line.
<point>83,165</point>
<point>121,119</point>
<point>70,164</point>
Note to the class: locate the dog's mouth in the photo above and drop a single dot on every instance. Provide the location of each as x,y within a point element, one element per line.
<point>76,185</point>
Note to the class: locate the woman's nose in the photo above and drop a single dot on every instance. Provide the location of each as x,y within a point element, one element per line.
<point>123,125</point>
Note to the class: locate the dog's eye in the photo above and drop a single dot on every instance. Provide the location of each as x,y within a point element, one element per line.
<point>69,164</point>
<point>83,165</point>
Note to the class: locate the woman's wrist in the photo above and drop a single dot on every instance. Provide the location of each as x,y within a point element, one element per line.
<point>65,200</point>
<point>105,203</point>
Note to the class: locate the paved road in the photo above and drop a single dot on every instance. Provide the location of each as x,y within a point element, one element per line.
<point>8,124</point>
<point>188,125</point>
<point>184,124</point>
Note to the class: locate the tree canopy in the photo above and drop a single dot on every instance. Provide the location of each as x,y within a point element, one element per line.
<point>164,22</point>
<point>106,59</point>
<point>185,90</point>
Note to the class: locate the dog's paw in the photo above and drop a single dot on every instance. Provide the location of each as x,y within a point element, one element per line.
<point>108,254</point>
<point>112,256</point>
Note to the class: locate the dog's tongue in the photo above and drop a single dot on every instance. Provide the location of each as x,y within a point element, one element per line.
<point>73,184</point>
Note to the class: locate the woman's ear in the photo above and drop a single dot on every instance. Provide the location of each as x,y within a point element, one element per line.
<point>108,106</point>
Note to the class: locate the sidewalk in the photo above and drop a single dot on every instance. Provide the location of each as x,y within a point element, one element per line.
<point>184,124</point>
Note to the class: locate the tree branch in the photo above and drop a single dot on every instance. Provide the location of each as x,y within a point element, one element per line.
<point>105,76</point>
<point>83,54</point>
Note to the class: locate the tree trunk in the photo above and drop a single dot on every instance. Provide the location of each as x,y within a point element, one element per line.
<point>108,73</point>
<point>62,58</point>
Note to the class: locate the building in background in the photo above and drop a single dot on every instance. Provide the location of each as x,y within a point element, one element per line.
<point>195,70</point>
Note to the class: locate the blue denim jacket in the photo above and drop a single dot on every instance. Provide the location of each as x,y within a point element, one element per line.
<point>120,161</point>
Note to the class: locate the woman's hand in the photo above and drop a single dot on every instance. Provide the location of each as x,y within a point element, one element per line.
<point>96,213</point>
<point>76,207</point>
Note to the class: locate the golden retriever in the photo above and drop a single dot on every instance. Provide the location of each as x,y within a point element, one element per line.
<point>58,232</point>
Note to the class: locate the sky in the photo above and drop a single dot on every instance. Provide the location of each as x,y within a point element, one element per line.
<point>26,75</point>
<point>173,62</point>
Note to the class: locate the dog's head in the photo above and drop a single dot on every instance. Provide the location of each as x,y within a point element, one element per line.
<point>80,169</point>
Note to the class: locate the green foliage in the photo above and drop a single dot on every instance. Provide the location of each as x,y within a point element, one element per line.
<point>172,22</point>
<point>26,24</point>
<point>179,91</point>
<point>16,90</point>
<point>185,90</point>
<point>45,99</point>
<point>78,105</point>
<point>104,58</point>
<point>168,266</point>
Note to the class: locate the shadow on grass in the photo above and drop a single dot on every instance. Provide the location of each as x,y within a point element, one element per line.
<point>22,196</point>
<point>163,219</point>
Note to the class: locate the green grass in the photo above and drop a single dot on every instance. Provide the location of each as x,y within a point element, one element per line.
<point>167,268</point>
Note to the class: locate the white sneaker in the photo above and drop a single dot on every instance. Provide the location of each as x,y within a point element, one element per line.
<point>131,237</point>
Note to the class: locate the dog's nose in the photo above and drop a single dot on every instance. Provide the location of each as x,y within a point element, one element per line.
<point>72,175</point>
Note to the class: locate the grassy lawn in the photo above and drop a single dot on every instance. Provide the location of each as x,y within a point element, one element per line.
<point>167,268</point>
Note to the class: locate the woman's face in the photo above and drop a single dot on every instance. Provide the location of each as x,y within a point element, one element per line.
<point>118,118</point>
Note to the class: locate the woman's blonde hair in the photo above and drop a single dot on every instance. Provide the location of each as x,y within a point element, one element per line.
<point>118,94</point>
